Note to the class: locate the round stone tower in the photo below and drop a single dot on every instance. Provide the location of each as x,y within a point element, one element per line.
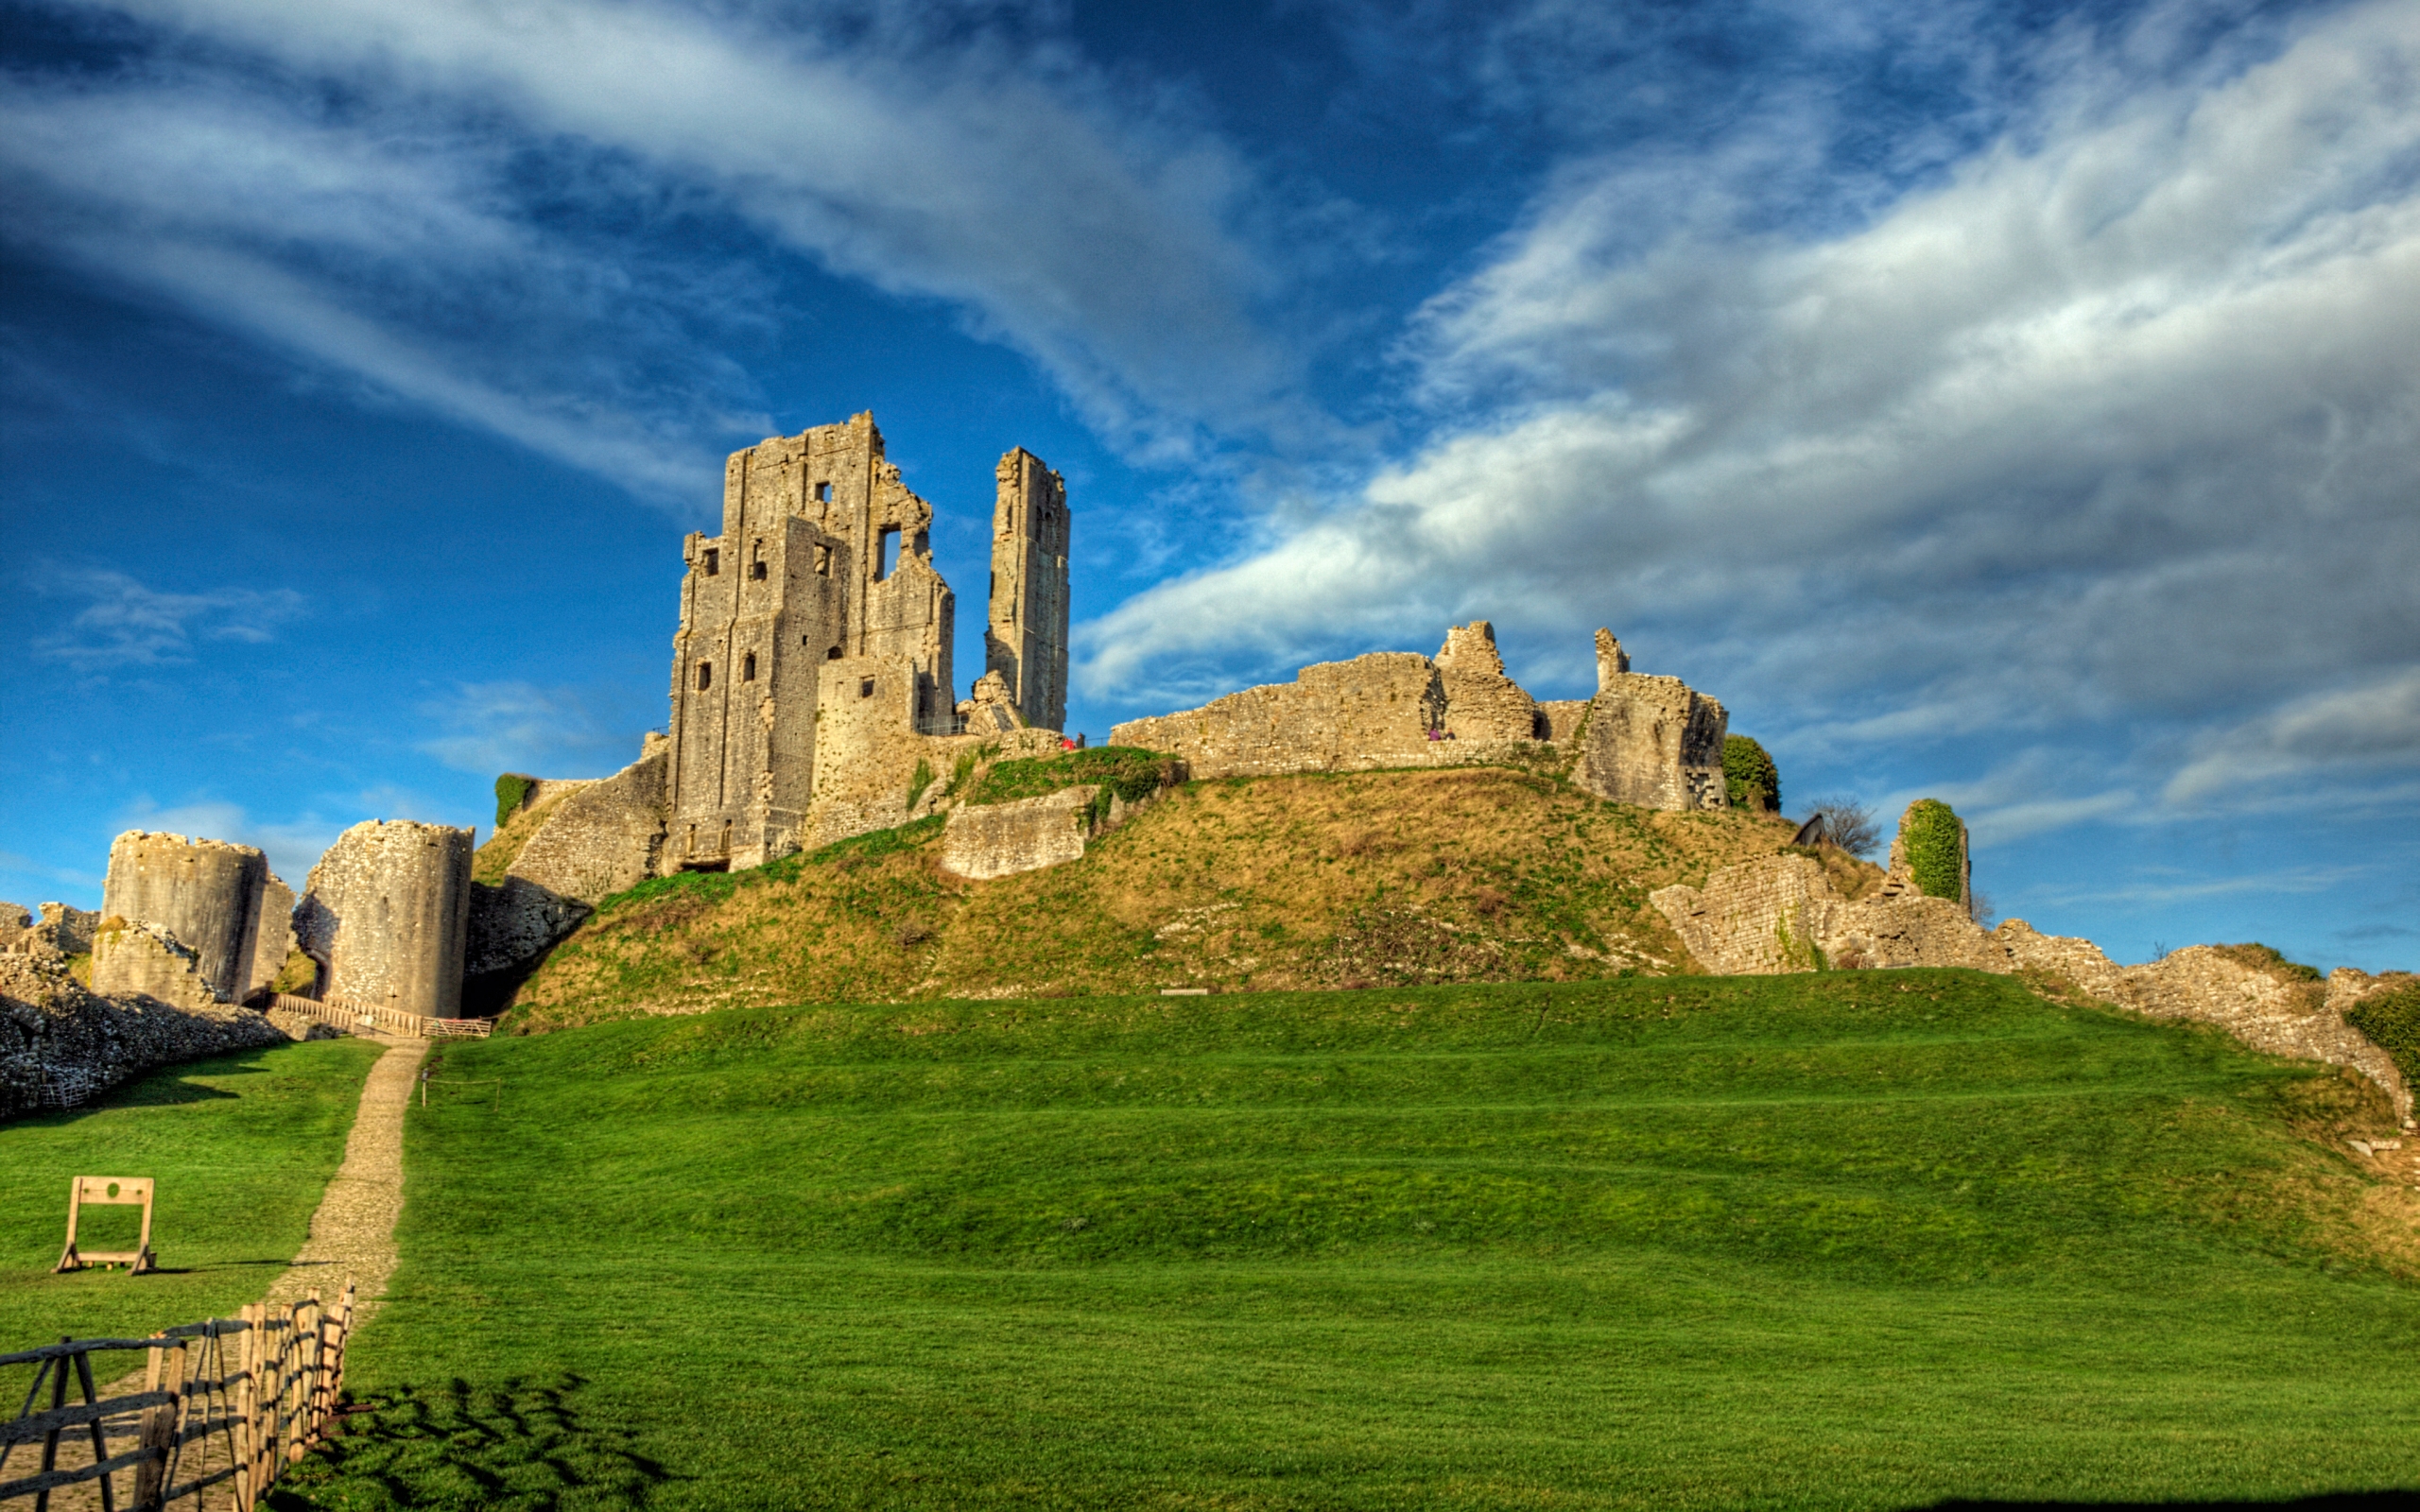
<point>386,914</point>
<point>206,893</point>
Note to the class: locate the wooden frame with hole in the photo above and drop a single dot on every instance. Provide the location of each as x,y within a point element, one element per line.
<point>109,1192</point>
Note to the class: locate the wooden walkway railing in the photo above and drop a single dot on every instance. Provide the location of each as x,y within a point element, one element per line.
<point>229,1400</point>
<point>352,1016</point>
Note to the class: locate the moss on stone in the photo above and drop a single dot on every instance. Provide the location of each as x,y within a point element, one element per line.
<point>1131,772</point>
<point>511,789</point>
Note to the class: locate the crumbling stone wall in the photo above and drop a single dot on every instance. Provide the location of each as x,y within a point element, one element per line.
<point>1482,703</point>
<point>1653,741</point>
<point>142,960</point>
<point>1782,914</point>
<point>1380,709</point>
<point>1642,740</point>
<point>205,893</point>
<point>1026,642</point>
<point>386,914</point>
<point>61,1044</point>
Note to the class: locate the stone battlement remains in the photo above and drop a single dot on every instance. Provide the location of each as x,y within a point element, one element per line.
<point>1648,739</point>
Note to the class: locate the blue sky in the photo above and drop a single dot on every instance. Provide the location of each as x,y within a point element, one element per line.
<point>2013,404</point>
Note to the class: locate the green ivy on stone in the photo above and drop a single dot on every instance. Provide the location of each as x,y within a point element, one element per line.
<point>1935,845</point>
<point>509,790</point>
<point>1746,771</point>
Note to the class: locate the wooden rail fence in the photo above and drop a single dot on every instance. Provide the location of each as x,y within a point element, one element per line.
<point>352,1016</point>
<point>228,1401</point>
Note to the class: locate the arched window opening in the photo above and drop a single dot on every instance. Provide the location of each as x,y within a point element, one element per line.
<point>705,675</point>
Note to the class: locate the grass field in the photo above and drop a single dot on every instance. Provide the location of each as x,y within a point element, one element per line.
<point>241,1146</point>
<point>1860,1240</point>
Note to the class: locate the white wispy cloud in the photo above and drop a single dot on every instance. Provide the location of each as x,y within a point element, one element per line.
<point>513,726</point>
<point>1094,229</point>
<point>126,624</point>
<point>2369,726</point>
<point>2106,432</point>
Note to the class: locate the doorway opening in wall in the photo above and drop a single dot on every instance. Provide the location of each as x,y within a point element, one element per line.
<point>886,557</point>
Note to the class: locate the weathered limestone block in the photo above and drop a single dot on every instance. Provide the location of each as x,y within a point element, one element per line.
<point>1759,919</point>
<point>1482,703</point>
<point>991,708</point>
<point>1373,711</point>
<point>1652,741</point>
<point>386,914</point>
<point>301,1025</point>
<point>1561,719</point>
<point>206,893</point>
<point>1912,931</point>
<point>60,1044</point>
<point>142,960</point>
<point>602,837</point>
<point>71,929</point>
<point>274,940</point>
<point>1026,835</point>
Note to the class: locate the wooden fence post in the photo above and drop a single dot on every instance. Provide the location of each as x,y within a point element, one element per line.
<point>247,1407</point>
<point>167,1371</point>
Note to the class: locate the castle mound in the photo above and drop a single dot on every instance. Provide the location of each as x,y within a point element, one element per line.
<point>1263,883</point>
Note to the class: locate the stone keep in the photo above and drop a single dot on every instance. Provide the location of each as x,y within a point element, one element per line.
<point>385,914</point>
<point>813,655</point>
<point>205,894</point>
<point>1025,643</point>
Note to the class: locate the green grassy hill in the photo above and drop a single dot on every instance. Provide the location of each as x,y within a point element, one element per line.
<point>1475,874</point>
<point>1862,1240</point>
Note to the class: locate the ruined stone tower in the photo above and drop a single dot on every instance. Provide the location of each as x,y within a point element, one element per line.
<point>385,913</point>
<point>1027,639</point>
<point>207,894</point>
<point>814,648</point>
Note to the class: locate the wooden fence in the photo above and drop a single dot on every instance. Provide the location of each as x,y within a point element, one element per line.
<point>352,1016</point>
<point>226,1402</point>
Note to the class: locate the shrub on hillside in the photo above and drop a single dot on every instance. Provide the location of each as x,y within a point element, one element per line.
<point>2393,1019</point>
<point>1936,849</point>
<point>509,790</point>
<point>1129,771</point>
<point>1750,779</point>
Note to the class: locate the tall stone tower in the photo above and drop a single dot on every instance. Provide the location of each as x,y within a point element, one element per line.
<point>1027,639</point>
<point>824,566</point>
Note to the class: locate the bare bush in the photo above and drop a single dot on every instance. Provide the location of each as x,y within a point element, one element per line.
<point>1848,824</point>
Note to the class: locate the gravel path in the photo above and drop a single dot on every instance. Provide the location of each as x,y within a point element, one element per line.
<point>353,1233</point>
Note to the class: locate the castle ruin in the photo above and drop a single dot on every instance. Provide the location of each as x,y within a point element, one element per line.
<point>1653,741</point>
<point>813,657</point>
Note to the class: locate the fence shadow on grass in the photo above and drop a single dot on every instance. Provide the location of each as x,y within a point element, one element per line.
<point>521,1445</point>
<point>2402,1501</point>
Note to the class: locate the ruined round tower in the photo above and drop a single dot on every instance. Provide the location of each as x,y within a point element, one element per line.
<point>205,893</point>
<point>386,914</point>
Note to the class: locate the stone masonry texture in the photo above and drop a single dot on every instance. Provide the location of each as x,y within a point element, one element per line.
<point>816,633</point>
<point>1782,914</point>
<point>1026,642</point>
<point>205,893</point>
<point>1025,834</point>
<point>1644,740</point>
<point>386,914</point>
<point>61,1044</point>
